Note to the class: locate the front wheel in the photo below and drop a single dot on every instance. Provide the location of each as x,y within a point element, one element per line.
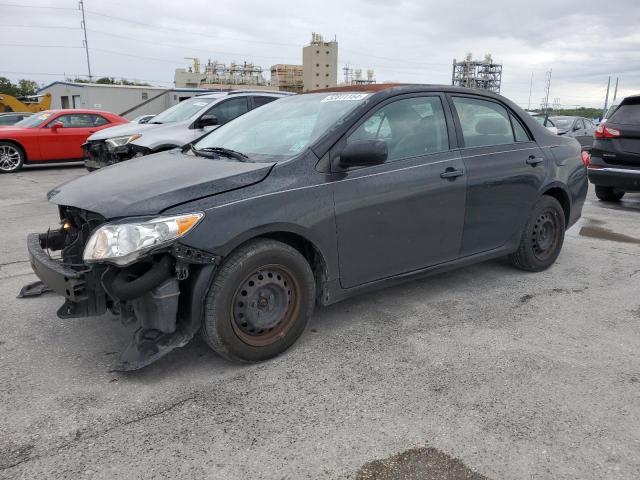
<point>542,237</point>
<point>11,157</point>
<point>260,302</point>
<point>609,194</point>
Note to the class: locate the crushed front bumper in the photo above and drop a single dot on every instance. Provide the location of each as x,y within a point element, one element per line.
<point>78,284</point>
<point>164,294</point>
<point>96,154</point>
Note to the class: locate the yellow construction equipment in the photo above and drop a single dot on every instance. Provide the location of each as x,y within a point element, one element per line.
<point>34,104</point>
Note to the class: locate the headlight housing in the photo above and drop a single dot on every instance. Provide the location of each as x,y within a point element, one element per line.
<point>123,243</point>
<point>120,141</point>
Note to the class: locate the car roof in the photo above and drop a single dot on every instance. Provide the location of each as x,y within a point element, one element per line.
<point>242,92</point>
<point>16,113</point>
<point>77,110</point>
<point>390,89</point>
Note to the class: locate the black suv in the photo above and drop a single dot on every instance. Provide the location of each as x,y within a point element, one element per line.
<point>614,166</point>
<point>307,200</point>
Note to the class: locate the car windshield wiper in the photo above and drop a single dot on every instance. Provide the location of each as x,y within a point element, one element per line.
<point>155,123</point>
<point>227,152</point>
<point>201,153</point>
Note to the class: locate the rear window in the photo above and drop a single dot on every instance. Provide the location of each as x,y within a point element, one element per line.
<point>627,113</point>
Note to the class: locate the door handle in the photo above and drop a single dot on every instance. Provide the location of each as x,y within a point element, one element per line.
<point>533,160</point>
<point>451,173</point>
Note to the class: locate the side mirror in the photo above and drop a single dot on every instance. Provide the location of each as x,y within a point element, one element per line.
<point>364,153</point>
<point>56,126</point>
<point>207,120</point>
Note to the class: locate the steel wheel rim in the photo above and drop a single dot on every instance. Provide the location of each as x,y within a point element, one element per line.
<point>546,234</point>
<point>9,158</point>
<point>265,305</point>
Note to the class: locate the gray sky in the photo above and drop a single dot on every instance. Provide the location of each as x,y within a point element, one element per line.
<point>583,41</point>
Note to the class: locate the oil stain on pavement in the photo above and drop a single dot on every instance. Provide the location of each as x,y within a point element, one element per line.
<point>418,464</point>
<point>606,234</point>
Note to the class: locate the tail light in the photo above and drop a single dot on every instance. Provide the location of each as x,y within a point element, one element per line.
<point>586,158</point>
<point>606,132</point>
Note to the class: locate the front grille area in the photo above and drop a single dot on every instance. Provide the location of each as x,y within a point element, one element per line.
<point>80,224</point>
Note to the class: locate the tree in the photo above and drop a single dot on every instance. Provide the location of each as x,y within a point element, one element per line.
<point>27,87</point>
<point>9,88</point>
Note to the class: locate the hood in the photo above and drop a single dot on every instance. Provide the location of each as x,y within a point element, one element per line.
<point>123,129</point>
<point>148,185</point>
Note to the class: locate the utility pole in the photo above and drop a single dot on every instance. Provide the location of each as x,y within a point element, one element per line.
<point>606,99</point>
<point>530,90</point>
<point>86,44</point>
<point>615,92</point>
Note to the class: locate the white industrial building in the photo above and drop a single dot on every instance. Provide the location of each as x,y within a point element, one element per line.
<point>128,101</point>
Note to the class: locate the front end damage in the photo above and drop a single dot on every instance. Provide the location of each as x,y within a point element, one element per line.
<point>99,154</point>
<point>163,292</point>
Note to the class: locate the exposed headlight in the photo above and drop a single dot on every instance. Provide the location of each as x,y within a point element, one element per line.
<point>123,243</point>
<point>119,141</point>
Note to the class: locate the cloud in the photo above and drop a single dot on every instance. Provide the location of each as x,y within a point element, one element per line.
<point>582,41</point>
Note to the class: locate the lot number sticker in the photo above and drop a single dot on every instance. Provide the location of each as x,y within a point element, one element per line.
<point>344,97</point>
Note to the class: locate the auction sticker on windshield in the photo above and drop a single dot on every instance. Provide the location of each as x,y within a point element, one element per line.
<point>344,97</point>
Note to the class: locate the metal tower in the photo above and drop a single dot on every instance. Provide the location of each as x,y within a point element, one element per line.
<point>483,74</point>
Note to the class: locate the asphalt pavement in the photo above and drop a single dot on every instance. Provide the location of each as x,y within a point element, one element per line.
<point>485,372</point>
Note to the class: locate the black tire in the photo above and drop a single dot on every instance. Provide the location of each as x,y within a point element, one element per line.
<point>11,157</point>
<point>542,237</point>
<point>249,316</point>
<point>91,169</point>
<point>608,194</point>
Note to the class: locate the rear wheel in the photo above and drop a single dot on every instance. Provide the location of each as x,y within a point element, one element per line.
<point>609,194</point>
<point>542,237</point>
<point>260,302</point>
<point>11,157</point>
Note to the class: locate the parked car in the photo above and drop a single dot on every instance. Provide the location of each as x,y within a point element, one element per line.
<point>11,118</point>
<point>543,119</point>
<point>174,127</point>
<point>614,166</point>
<point>308,200</point>
<point>142,119</point>
<point>582,129</point>
<point>51,136</point>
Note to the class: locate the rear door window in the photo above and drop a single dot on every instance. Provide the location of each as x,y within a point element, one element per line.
<point>484,123</point>
<point>520,133</point>
<point>627,113</point>
<point>410,127</point>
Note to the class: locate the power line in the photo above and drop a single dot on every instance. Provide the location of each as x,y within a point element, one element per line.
<point>18,5</point>
<point>32,45</point>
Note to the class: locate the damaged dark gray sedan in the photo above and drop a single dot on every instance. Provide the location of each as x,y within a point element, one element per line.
<point>308,200</point>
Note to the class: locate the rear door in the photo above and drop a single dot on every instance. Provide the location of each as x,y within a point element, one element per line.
<point>402,215</point>
<point>505,170</point>
<point>65,143</point>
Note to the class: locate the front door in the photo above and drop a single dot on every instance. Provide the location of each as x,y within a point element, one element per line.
<point>65,143</point>
<point>505,171</point>
<point>407,213</point>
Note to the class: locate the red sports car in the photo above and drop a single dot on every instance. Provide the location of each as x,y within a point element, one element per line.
<point>50,136</point>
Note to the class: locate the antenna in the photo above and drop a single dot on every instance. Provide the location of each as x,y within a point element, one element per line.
<point>85,43</point>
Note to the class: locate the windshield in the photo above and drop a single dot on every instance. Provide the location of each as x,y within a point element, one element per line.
<point>284,128</point>
<point>34,120</point>
<point>182,111</point>
<point>563,122</point>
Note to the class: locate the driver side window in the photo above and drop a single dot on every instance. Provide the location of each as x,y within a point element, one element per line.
<point>410,127</point>
<point>229,109</point>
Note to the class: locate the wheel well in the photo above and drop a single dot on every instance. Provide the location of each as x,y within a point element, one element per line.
<point>309,252</point>
<point>17,144</point>
<point>563,198</point>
